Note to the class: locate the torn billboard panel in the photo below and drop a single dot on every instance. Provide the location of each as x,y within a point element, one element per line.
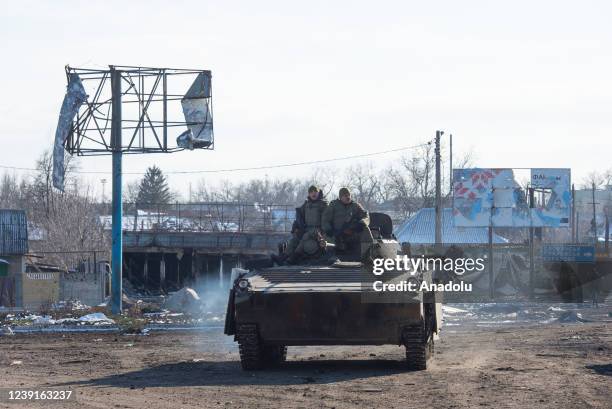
<point>554,210</point>
<point>473,197</point>
<point>74,98</point>
<point>196,106</point>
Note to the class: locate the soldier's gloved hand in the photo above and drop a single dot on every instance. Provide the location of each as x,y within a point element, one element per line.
<point>357,225</point>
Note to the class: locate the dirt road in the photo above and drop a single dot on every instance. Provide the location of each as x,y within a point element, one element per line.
<point>552,366</point>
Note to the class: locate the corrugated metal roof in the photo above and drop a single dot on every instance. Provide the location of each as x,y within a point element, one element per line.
<point>420,229</point>
<point>13,232</point>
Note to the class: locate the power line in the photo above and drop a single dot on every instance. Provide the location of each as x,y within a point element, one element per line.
<point>277,166</point>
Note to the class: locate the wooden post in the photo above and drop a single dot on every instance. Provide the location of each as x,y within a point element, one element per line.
<point>491,265</point>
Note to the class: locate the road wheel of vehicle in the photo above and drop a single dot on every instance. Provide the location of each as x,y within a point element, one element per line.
<point>250,347</point>
<point>275,354</point>
<point>417,347</point>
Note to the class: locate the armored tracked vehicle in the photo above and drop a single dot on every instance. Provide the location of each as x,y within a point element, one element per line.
<point>271,308</point>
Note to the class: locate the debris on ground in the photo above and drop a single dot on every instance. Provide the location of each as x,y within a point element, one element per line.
<point>71,305</point>
<point>184,300</point>
<point>571,317</point>
<point>96,318</point>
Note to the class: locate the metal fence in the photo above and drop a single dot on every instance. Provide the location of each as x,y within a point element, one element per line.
<point>209,216</point>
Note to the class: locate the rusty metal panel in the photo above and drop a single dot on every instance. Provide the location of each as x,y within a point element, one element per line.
<point>13,232</point>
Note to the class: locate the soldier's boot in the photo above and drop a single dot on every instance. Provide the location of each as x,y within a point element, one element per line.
<point>279,259</point>
<point>293,259</point>
<point>366,242</point>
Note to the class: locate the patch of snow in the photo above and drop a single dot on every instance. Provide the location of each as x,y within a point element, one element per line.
<point>452,310</point>
<point>96,317</point>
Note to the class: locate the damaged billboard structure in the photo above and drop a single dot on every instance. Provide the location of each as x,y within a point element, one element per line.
<point>149,112</point>
<point>131,110</point>
<point>493,198</point>
<point>74,98</point>
<point>197,109</point>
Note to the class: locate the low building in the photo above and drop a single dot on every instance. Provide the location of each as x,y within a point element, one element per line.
<point>13,247</point>
<point>420,229</point>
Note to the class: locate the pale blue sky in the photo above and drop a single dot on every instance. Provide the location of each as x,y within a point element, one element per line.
<point>523,83</point>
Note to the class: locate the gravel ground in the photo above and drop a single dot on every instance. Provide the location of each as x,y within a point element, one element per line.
<point>505,366</point>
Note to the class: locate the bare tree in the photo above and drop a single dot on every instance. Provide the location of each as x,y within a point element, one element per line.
<point>410,183</point>
<point>69,220</point>
<point>10,192</point>
<point>365,183</point>
<point>598,179</point>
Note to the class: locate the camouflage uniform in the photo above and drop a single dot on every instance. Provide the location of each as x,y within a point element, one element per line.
<point>308,239</point>
<point>348,224</point>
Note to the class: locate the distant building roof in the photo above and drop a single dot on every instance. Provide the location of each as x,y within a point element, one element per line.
<point>420,229</point>
<point>13,232</point>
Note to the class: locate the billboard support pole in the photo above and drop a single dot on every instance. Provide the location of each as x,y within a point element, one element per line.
<point>594,222</point>
<point>531,247</point>
<point>438,237</point>
<point>88,133</point>
<point>117,206</point>
<point>491,265</point>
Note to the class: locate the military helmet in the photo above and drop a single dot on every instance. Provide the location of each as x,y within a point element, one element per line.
<point>344,191</point>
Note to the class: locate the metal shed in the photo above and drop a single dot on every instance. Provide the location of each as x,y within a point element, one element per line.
<point>420,229</point>
<point>13,232</point>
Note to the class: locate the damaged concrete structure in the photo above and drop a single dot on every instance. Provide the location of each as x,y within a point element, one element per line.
<point>159,260</point>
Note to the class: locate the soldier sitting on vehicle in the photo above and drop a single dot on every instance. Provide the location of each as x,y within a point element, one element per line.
<point>307,239</point>
<point>347,222</point>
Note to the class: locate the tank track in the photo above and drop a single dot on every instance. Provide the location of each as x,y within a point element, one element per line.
<point>274,354</point>
<point>249,346</point>
<point>253,353</point>
<point>419,346</point>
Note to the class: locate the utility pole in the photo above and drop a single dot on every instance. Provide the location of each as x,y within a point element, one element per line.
<point>573,213</point>
<point>607,235</point>
<point>450,188</point>
<point>594,222</point>
<point>438,237</point>
<point>117,206</point>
